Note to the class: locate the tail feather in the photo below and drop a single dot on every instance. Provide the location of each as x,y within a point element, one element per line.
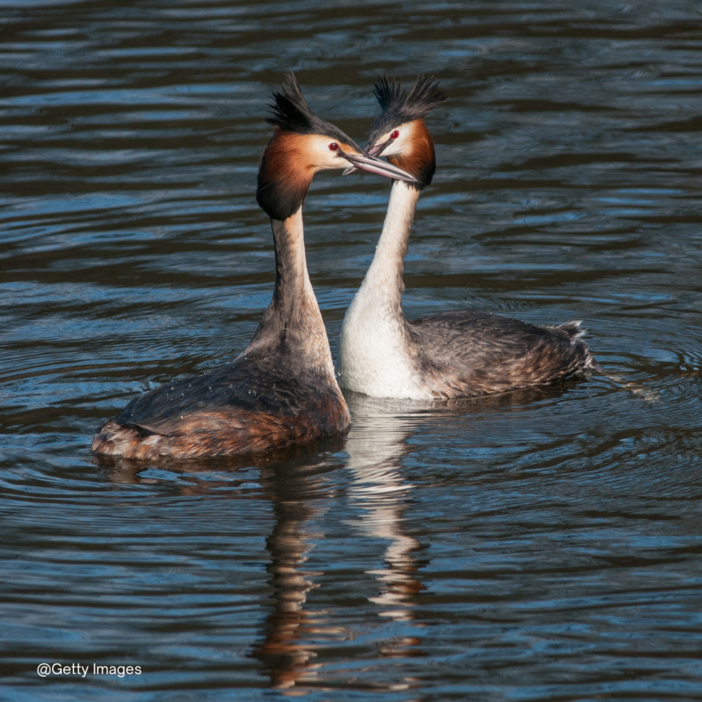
<point>115,439</point>
<point>572,328</point>
<point>575,333</point>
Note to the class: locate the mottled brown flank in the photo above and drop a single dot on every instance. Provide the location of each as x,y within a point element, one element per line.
<point>421,160</point>
<point>488,354</point>
<point>223,432</point>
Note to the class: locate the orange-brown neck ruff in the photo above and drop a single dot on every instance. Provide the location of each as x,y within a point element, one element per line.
<point>285,174</point>
<point>419,160</point>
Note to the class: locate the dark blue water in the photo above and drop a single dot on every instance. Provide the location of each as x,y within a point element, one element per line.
<point>535,546</point>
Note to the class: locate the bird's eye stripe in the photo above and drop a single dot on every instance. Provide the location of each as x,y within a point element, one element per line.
<point>333,146</point>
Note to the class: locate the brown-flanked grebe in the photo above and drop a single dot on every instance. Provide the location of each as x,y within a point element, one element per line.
<point>282,389</point>
<point>455,354</point>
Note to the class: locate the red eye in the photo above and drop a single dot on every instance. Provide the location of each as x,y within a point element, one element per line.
<point>333,146</point>
<point>394,134</point>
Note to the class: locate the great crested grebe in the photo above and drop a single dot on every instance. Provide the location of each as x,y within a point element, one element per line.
<point>454,354</point>
<point>282,389</point>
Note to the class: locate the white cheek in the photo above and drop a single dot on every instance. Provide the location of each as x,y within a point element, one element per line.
<point>333,160</point>
<point>324,159</point>
<point>393,148</point>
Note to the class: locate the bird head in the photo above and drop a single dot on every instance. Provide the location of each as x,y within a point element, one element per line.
<point>303,144</point>
<point>399,133</point>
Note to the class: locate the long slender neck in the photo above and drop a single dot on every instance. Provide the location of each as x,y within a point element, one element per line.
<point>293,289</point>
<point>293,323</point>
<point>384,277</point>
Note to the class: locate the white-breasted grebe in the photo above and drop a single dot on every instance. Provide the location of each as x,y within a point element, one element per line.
<point>454,354</point>
<point>282,389</point>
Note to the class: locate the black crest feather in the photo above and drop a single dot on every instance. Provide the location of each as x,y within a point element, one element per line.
<point>422,99</point>
<point>292,114</point>
<point>388,94</point>
<point>424,96</point>
<point>399,107</point>
<point>290,109</point>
